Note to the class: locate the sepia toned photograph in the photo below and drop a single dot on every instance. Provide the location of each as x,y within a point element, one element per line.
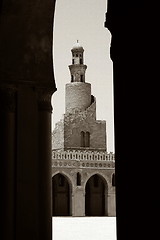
<point>83,159</point>
<point>75,120</point>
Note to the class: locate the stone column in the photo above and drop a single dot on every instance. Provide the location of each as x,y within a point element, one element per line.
<point>111,204</point>
<point>45,167</point>
<point>26,47</point>
<point>79,202</point>
<point>72,200</point>
<point>27,164</point>
<point>7,155</point>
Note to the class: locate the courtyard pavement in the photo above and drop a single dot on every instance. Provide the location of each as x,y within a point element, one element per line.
<point>84,228</point>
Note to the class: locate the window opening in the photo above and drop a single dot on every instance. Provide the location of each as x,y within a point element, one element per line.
<point>82,139</point>
<point>87,139</point>
<point>78,179</point>
<point>72,78</point>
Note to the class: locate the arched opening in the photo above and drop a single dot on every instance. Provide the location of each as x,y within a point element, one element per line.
<point>87,139</point>
<point>61,197</point>
<point>82,139</point>
<point>96,196</point>
<point>81,61</point>
<point>72,78</point>
<point>81,78</point>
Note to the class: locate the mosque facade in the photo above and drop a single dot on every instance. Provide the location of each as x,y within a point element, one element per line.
<point>83,172</point>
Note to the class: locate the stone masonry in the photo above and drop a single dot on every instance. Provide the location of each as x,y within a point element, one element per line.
<point>79,152</point>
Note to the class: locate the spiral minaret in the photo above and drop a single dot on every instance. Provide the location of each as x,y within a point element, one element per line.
<point>78,92</point>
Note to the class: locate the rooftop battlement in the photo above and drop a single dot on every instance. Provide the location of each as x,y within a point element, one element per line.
<point>83,155</point>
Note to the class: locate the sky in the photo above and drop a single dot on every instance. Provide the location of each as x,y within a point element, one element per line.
<point>83,20</point>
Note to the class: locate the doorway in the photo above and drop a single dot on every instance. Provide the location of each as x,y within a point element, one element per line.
<point>95,200</point>
<point>60,196</point>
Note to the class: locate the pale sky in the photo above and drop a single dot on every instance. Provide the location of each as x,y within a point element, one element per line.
<point>83,20</point>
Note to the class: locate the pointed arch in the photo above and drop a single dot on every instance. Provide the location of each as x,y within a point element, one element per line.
<point>61,195</point>
<point>102,175</point>
<point>96,190</point>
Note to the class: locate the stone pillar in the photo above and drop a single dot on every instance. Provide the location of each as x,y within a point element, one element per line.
<point>111,204</point>
<point>26,86</point>
<point>79,202</point>
<point>27,164</point>
<point>45,167</point>
<point>25,144</point>
<point>72,210</point>
<point>8,168</point>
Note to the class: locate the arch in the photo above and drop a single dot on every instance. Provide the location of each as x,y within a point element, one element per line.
<point>61,195</point>
<point>85,139</point>
<point>102,175</point>
<point>96,191</point>
<point>66,175</point>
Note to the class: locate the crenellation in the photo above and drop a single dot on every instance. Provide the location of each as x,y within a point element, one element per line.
<point>78,155</point>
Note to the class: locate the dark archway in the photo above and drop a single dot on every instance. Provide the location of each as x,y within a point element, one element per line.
<point>95,201</point>
<point>60,196</point>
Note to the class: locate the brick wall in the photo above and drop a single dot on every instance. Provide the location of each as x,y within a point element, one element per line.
<point>84,121</point>
<point>78,96</point>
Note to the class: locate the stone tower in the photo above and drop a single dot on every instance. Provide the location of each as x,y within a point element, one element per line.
<point>78,93</point>
<point>79,128</point>
<point>80,159</point>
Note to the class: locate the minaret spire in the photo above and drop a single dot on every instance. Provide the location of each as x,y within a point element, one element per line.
<point>77,69</point>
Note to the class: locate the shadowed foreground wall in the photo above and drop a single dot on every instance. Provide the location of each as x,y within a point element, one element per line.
<point>133,45</point>
<point>26,87</point>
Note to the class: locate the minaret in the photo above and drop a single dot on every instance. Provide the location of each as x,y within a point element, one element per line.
<point>78,92</point>
<point>79,128</point>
